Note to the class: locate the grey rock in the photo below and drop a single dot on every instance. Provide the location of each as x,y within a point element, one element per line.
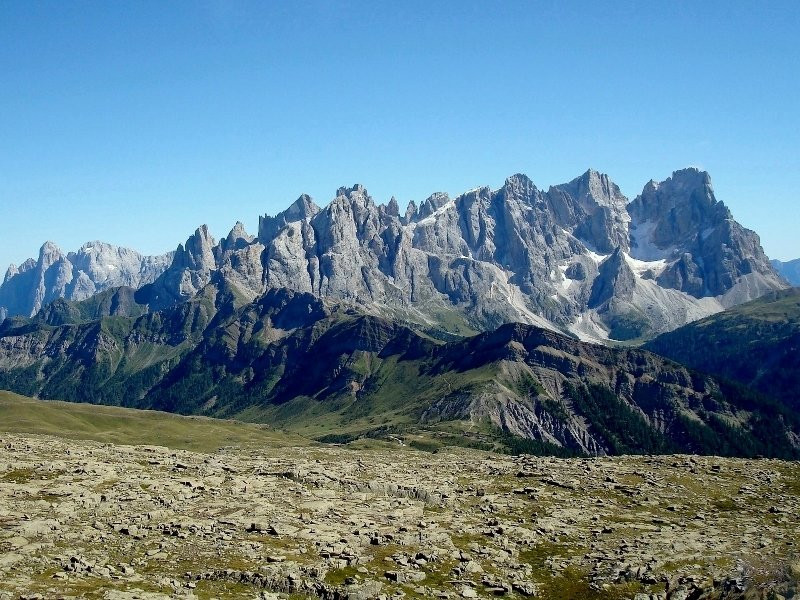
<point>594,209</point>
<point>615,281</point>
<point>190,271</point>
<point>578,257</point>
<point>708,253</point>
<point>95,267</point>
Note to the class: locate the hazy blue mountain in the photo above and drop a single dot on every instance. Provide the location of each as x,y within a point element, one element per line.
<point>790,270</point>
<point>94,267</point>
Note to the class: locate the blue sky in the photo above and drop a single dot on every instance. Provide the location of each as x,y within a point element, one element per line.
<point>135,122</point>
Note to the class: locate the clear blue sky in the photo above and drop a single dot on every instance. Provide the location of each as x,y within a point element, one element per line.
<point>135,122</point>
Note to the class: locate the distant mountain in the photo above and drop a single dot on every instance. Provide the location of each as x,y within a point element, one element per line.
<point>298,361</point>
<point>790,270</point>
<point>756,344</point>
<point>95,267</point>
<point>577,258</point>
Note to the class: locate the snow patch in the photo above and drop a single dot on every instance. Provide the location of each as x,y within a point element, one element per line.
<point>565,282</point>
<point>597,258</point>
<point>642,246</point>
<point>431,218</point>
<point>640,267</point>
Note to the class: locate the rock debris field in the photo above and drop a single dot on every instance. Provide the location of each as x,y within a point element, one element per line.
<point>94,520</point>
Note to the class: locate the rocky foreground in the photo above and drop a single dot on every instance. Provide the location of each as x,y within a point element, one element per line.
<point>85,519</point>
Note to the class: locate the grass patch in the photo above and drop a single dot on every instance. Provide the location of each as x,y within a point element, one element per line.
<point>18,476</point>
<point>19,414</point>
<point>573,584</point>
<point>424,446</point>
<point>726,505</point>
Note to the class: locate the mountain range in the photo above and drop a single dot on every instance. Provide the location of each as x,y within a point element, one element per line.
<point>492,318</point>
<point>327,370</point>
<point>578,258</point>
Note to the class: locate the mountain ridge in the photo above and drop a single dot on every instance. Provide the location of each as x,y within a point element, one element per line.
<point>578,258</point>
<point>756,344</point>
<point>320,367</point>
<point>488,257</point>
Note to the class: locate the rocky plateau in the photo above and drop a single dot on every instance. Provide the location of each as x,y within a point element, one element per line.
<point>83,519</point>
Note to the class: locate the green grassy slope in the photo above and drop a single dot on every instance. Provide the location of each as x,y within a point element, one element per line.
<point>19,414</point>
<point>328,371</point>
<point>755,344</point>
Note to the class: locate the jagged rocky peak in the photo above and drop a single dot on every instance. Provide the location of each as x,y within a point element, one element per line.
<point>593,209</point>
<point>10,272</point>
<point>676,209</point>
<point>49,253</point>
<point>596,189</point>
<point>411,212</point>
<point>707,253</point>
<point>669,214</point>
<point>355,200</point>
<point>519,185</point>
<point>26,266</point>
<point>615,281</point>
<point>198,252</point>
<point>96,247</point>
<point>431,204</point>
<point>238,232</point>
<point>191,270</point>
<point>347,192</point>
<point>237,239</point>
<point>302,209</point>
<point>392,209</point>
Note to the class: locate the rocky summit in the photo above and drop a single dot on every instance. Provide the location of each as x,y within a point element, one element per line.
<point>578,258</point>
<point>89,519</point>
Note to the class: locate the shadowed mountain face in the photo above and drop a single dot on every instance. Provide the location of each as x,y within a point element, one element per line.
<point>756,344</point>
<point>578,258</point>
<point>320,367</point>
